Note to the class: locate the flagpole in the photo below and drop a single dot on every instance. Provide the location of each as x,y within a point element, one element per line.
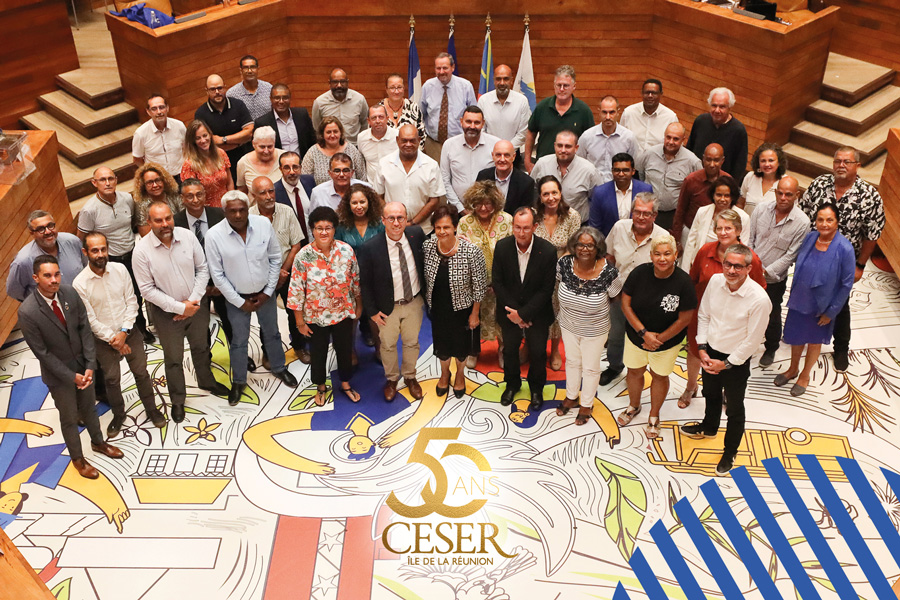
<point>486,78</point>
<point>413,71</point>
<point>524,81</point>
<point>451,44</point>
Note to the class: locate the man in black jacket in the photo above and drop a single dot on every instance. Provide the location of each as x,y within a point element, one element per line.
<point>391,268</point>
<point>515,185</point>
<point>524,274</point>
<point>294,121</point>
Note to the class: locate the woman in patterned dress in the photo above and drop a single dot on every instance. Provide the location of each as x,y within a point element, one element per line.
<point>400,109</point>
<point>556,223</point>
<point>324,295</point>
<point>205,161</point>
<point>329,141</point>
<point>485,224</point>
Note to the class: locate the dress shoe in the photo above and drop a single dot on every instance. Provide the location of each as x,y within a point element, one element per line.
<point>414,388</point>
<point>156,417</point>
<point>251,366</point>
<point>107,449</point>
<point>237,390</point>
<point>149,338</point>
<point>115,426</point>
<point>506,398</point>
<point>696,432</point>
<point>442,391</point>
<point>85,469</point>
<point>217,389</point>
<point>390,390</point>
<point>286,378</point>
<point>607,376</point>
<point>841,361</point>
<point>537,400</point>
<point>303,356</point>
<point>367,340</point>
<point>767,358</point>
<point>725,463</point>
<point>178,413</point>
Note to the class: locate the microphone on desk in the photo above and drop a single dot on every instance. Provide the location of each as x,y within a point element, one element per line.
<point>243,2</point>
<point>190,17</point>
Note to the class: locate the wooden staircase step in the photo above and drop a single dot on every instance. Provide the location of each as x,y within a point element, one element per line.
<point>78,180</point>
<point>80,150</point>
<point>95,86</point>
<point>849,80</point>
<point>870,143</point>
<point>803,181</point>
<point>88,121</point>
<point>854,120</point>
<point>812,163</point>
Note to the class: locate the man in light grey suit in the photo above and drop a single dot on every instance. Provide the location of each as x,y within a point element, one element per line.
<point>56,328</point>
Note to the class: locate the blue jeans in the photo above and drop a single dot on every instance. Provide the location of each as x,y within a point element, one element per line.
<point>267,314</point>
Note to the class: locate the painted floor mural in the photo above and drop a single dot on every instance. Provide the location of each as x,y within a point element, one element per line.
<point>452,499</point>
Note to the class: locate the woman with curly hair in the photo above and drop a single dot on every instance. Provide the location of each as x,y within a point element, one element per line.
<point>152,182</point>
<point>330,140</point>
<point>484,226</point>
<point>207,162</point>
<point>359,216</point>
<point>769,164</point>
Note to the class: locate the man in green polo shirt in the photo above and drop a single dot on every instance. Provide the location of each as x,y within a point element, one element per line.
<point>560,112</point>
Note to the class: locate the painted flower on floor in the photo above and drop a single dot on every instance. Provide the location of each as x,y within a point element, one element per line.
<point>201,432</point>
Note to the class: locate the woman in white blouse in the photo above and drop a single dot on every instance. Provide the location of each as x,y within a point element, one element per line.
<point>724,194</point>
<point>768,165</point>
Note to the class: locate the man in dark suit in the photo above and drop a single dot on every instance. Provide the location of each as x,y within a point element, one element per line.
<point>294,121</point>
<point>294,190</point>
<point>392,272</point>
<point>55,324</point>
<point>516,186</point>
<point>612,200</point>
<point>524,274</point>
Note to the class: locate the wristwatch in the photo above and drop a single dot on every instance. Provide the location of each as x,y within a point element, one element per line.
<point>728,365</point>
<point>125,331</point>
<point>860,267</point>
<point>224,139</point>
<point>642,332</point>
<point>703,347</point>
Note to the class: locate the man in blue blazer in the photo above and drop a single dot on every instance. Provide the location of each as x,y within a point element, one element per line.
<point>293,187</point>
<point>612,200</point>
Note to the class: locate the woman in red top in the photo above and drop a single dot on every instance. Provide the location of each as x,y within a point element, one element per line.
<point>203,160</point>
<point>707,263</point>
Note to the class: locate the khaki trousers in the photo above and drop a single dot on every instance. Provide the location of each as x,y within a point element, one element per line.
<point>433,148</point>
<point>403,323</point>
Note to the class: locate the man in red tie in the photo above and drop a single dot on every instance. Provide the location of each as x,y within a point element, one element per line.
<point>55,324</point>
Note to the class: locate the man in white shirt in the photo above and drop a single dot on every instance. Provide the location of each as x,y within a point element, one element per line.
<point>349,106</point>
<point>578,175</point>
<point>161,139</point>
<point>601,142</point>
<point>731,324</point>
<point>506,112</point>
<point>171,272</point>
<point>105,287</point>
<point>411,178</point>
<point>378,140</point>
<point>329,193</point>
<point>464,155</point>
<point>648,119</point>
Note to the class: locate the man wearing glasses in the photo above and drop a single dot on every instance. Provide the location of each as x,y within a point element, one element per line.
<point>649,119</point>
<point>349,106</point>
<point>251,90</point>
<point>228,119</point>
<point>329,193</point>
<point>65,247</point>
<point>862,221</point>
<point>161,139</point>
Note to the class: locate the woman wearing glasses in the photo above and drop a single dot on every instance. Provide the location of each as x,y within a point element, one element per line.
<point>151,183</point>
<point>400,109</point>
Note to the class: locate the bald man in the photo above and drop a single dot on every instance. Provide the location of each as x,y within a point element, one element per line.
<point>665,166</point>
<point>506,111</point>
<point>515,185</point>
<point>228,119</point>
<point>695,190</point>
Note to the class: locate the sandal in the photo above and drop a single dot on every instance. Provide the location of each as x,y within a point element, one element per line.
<point>627,415</point>
<point>322,395</point>
<point>686,396</point>
<point>352,394</point>
<point>652,428</point>
<point>584,413</point>
<point>567,405</point>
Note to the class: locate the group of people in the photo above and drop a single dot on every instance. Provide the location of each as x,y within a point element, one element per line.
<point>505,224</point>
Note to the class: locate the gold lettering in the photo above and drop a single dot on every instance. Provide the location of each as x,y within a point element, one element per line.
<point>460,537</point>
<point>384,538</point>
<point>485,538</point>
<point>420,537</point>
<point>438,530</point>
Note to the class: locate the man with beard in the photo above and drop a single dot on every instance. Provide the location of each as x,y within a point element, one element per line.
<point>377,141</point>
<point>329,193</point>
<point>294,131</point>
<point>171,271</point>
<point>251,90</point>
<point>106,290</point>
<point>506,112</point>
<point>464,155</point>
<point>65,247</point>
<point>577,175</point>
<point>228,121</point>
<point>695,191</point>
<point>349,106</point>
<point>444,99</point>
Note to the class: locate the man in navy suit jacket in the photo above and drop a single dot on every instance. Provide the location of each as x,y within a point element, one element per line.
<point>520,187</point>
<point>612,200</point>
<point>292,187</point>
<point>299,118</point>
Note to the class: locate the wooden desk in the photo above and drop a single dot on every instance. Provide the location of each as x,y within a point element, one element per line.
<point>44,189</point>
<point>20,582</point>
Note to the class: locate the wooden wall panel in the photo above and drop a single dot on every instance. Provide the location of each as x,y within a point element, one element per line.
<point>39,43</point>
<point>870,31</point>
<point>44,189</point>
<point>890,194</point>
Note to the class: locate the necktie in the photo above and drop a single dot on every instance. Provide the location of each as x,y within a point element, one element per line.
<point>59,314</point>
<point>404,274</point>
<point>300,215</point>
<point>443,119</point>
<point>198,230</point>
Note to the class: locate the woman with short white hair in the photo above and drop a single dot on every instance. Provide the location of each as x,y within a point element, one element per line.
<point>262,161</point>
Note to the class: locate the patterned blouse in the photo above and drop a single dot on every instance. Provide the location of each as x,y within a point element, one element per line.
<point>565,229</point>
<point>468,274</point>
<point>862,209</point>
<point>584,303</point>
<point>324,288</point>
<point>315,163</point>
<point>409,114</point>
<point>471,230</point>
<point>215,184</point>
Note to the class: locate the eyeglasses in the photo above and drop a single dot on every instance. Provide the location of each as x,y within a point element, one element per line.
<point>153,182</point>
<point>324,230</point>
<point>728,266</point>
<point>249,68</point>
<point>112,179</point>
<point>217,88</point>
<point>580,246</point>
<point>344,171</point>
<point>838,162</point>
<point>395,88</point>
<point>644,214</point>
<point>395,218</point>
<point>622,171</point>
<point>43,228</point>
